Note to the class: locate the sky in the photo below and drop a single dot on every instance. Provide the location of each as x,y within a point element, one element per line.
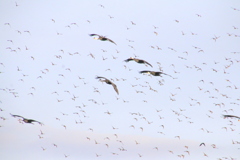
<point>49,65</point>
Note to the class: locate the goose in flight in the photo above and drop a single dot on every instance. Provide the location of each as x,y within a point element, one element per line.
<point>26,120</point>
<point>103,79</point>
<point>231,116</point>
<point>138,61</point>
<point>154,73</point>
<point>102,38</point>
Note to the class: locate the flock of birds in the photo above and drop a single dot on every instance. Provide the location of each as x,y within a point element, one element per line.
<point>107,81</point>
<point>139,119</point>
<point>158,73</point>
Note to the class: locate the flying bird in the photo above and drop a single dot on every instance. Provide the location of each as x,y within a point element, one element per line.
<point>231,116</point>
<point>202,144</point>
<point>103,79</point>
<point>154,73</point>
<point>102,38</point>
<point>26,120</point>
<point>138,61</point>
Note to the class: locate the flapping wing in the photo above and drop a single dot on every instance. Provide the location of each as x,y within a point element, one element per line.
<point>115,88</point>
<point>94,35</point>
<point>166,74</point>
<point>129,59</point>
<point>36,121</point>
<point>231,116</point>
<point>102,78</point>
<point>16,116</point>
<point>144,71</point>
<point>111,41</point>
<point>147,63</point>
<point>105,80</point>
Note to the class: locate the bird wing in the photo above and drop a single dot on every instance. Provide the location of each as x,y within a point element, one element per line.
<point>100,77</point>
<point>166,74</point>
<point>16,116</point>
<point>129,59</point>
<point>106,80</point>
<point>36,121</point>
<point>111,41</point>
<point>225,116</point>
<point>147,63</point>
<point>144,71</point>
<point>103,78</point>
<point>94,35</point>
<point>115,87</point>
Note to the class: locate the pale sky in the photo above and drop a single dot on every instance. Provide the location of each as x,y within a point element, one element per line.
<point>49,65</point>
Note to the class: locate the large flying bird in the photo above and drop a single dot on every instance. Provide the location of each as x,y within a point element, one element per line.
<point>103,79</point>
<point>138,61</point>
<point>26,120</point>
<point>154,73</point>
<point>231,116</point>
<point>102,38</point>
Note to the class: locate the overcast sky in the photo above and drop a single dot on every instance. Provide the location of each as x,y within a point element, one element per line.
<point>49,65</point>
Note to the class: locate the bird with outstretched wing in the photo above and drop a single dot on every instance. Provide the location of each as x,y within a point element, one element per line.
<point>231,116</point>
<point>103,79</point>
<point>141,61</point>
<point>26,120</point>
<point>155,73</point>
<point>102,38</point>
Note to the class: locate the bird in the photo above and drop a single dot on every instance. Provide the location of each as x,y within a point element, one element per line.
<point>138,61</point>
<point>102,38</point>
<point>202,144</point>
<point>26,120</point>
<point>103,79</point>
<point>231,116</point>
<point>154,73</point>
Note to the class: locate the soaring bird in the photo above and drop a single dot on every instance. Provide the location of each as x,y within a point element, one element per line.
<point>202,144</point>
<point>138,61</point>
<point>231,116</point>
<point>103,79</point>
<point>102,38</point>
<point>26,120</point>
<point>154,73</point>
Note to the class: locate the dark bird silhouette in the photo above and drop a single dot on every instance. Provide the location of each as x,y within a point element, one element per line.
<point>26,120</point>
<point>231,116</point>
<point>202,144</point>
<point>103,79</point>
<point>138,61</point>
<point>102,38</point>
<point>154,73</point>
